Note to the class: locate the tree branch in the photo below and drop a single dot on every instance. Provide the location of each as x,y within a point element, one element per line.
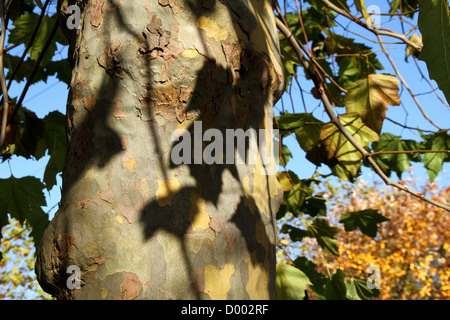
<point>2,76</point>
<point>374,31</point>
<point>334,119</point>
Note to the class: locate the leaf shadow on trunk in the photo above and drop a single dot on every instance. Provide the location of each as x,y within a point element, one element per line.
<point>215,85</point>
<point>240,225</point>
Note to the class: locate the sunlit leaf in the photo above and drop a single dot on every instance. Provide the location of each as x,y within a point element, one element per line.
<point>324,234</point>
<point>370,98</point>
<point>291,282</point>
<point>336,288</point>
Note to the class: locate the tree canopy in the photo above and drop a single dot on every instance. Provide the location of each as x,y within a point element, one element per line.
<point>372,81</point>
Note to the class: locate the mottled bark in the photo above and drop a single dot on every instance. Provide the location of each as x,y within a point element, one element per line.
<point>137,225</point>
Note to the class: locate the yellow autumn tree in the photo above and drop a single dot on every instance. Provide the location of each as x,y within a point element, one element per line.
<point>411,249</point>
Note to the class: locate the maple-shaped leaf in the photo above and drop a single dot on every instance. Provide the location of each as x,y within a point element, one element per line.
<point>365,220</point>
<point>336,144</point>
<point>22,199</point>
<point>291,283</point>
<point>434,25</point>
<point>370,97</point>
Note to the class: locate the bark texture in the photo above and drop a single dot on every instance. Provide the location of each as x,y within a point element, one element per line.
<point>137,225</point>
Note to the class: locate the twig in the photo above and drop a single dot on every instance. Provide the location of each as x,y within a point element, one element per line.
<point>30,43</point>
<point>408,152</point>
<point>374,31</point>
<point>399,75</point>
<point>33,72</point>
<point>334,119</point>
<point>2,76</point>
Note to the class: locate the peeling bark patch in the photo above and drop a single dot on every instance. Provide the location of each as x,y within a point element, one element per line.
<point>131,164</point>
<point>82,141</point>
<point>233,54</point>
<point>123,142</point>
<point>218,281</point>
<point>131,286</point>
<point>216,224</point>
<point>65,241</point>
<point>97,13</point>
<point>127,212</point>
<point>89,103</point>
<point>212,28</point>
<point>110,60</point>
<point>154,39</point>
<point>166,3</point>
<point>167,189</point>
<point>180,113</point>
<point>190,53</point>
<point>107,195</point>
<point>118,113</point>
<point>165,110</point>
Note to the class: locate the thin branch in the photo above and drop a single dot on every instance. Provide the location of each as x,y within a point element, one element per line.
<point>406,127</point>
<point>334,119</point>
<point>399,75</point>
<point>2,76</point>
<point>33,72</point>
<point>30,43</point>
<point>408,152</point>
<point>383,32</point>
<point>429,83</point>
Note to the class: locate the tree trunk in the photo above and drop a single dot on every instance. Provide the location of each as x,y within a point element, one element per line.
<point>136,223</point>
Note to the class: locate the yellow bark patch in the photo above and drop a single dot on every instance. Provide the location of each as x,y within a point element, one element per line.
<point>212,28</point>
<point>218,281</point>
<point>190,53</point>
<point>119,218</point>
<point>198,216</point>
<point>257,286</point>
<point>264,186</point>
<point>144,187</point>
<point>130,165</point>
<point>167,188</point>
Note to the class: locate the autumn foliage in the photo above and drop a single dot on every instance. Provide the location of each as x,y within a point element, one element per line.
<point>412,248</point>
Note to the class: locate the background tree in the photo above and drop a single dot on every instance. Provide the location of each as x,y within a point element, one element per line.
<point>410,248</point>
<point>338,57</point>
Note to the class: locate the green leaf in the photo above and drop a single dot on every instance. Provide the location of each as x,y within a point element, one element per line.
<point>22,199</point>
<point>358,290</point>
<point>317,279</point>
<point>434,25</point>
<point>285,154</point>
<point>365,220</point>
<point>295,233</point>
<point>291,282</point>
<point>54,140</point>
<point>360,6</point>
<point>23,29</point>
<point>338,147</point>
<point>61,69</point>
<point>314,206</point>
<point>324,234</point>
<point>336,288</point>
<point>398,162</point>
<point>24,71</point>
<point>433,161</point>
<point>370,97</point>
